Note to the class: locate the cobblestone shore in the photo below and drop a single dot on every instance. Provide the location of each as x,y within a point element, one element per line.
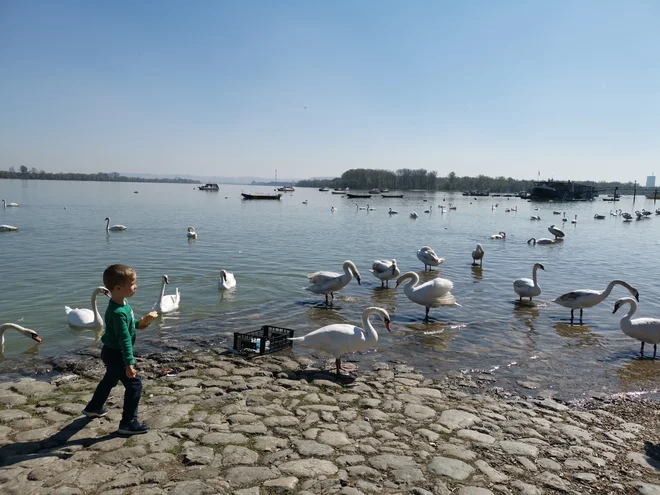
<point>221,424</point>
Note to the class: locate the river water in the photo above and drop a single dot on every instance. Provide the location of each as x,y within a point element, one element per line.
<point>58,256</point>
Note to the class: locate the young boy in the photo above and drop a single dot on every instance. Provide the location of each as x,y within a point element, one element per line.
<point>117,352</point>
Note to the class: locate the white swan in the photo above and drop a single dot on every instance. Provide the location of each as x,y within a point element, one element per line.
<point>393,212</point>
<point>588,298</point>
<point>191,233</point>
<point>429,209</point>
<point>627,216</point>
<point>25,331</point>
<point>535,217</point>
<point>558,212</point>
<point>414,214</point>
<point>227,280</point>
<point>9,205</point>
<point>431,294</point>
<point>642,329</point>
<point>599,217</point>
<point>330,282</point>
<point>478,254</point>
<point>555,231</point>
<point>8,228</point>
<point>369,208</point>
<point>574,219</point>
<point>427,256</point>
<point>114,228</point>
<point>500,235</point>
<point>544,240</point>
<point>87,318</point>
<point>358,207</point>
<point>340,339</point>
<point>451,207</point>
<point>304,202</point>
<point>385,271</point>
<point>333,209</point>
<point>167,304</point>
<point>526,287</point>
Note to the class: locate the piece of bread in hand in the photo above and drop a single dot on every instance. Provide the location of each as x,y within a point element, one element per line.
<point>148,318</point>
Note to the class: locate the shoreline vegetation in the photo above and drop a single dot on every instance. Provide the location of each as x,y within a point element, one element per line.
<point>34,174</point>
<point>406,179</point>
<point>275,424</point>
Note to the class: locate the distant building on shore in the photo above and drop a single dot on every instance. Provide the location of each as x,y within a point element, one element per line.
<point>650,181</point>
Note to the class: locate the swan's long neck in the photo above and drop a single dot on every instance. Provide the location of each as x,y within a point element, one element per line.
<point>533,241</point>
<point>534,276</point>
<point>162,290</point>
<point>604,295</point>
<point>367,327</point>
<point>7,326</point>
<point>97,315</point>
<point>107,224</point>
<point>625,321</point>
<point>414,280</point>
<point>349,270</point>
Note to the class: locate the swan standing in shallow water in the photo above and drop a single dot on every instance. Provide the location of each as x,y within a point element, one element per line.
<point>9,205</point>
<point>574,219</point>
<point>24,331</point>
<point>167,304</point>
<point>340,339</point>
<point>8,228</point>
<point>385,271</point>
<point>646,330</point>
<point>478,254</point>
<point>392,212</point>
<point>526,287</point>
<point>227,280</point>
<point>555,231</point>
<point>330,282</point>
<point>588,298</point>
<point>87,318</point>
<point>114,228</point>
<point>427,256</point>
<point>499,236</point>
<point>431,294</point>
<point>191,233</point>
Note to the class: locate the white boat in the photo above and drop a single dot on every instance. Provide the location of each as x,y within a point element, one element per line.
<point>209,187</point>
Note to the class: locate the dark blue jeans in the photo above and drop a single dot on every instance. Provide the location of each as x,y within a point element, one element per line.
<point>115,371</point>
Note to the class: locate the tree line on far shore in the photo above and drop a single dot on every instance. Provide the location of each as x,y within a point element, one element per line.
<point>24,173</point>
<point>405,179</point>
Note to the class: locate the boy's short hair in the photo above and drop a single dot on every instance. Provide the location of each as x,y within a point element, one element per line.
<point>117,275</point>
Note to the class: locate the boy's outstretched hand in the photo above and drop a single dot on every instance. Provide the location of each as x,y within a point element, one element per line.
<point>146,320</point>
<point>130,371</point>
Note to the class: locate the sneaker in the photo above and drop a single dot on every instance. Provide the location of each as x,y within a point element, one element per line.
<point>134,428</point>
<point>96,414</point>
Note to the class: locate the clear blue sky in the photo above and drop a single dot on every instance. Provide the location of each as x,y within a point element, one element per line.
<point>220,87</point>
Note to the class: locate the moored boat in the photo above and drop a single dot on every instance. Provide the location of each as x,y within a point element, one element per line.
<point>353,195</point>
<point>392,195</point>
<point>209,187</point>
<point>286,188</point>
<point>261,196</point>
<point>323,189</point>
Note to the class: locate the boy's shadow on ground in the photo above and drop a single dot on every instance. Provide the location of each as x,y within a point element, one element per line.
<point>21,451</point>
<point>311,375</point>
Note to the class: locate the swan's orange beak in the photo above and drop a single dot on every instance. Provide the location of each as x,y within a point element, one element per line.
<point>387,325</point>
<point>37,338</point>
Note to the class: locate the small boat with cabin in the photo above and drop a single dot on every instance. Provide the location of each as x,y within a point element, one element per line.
<point>209,187</point>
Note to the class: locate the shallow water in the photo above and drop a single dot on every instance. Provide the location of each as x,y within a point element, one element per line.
<point>58,256</point>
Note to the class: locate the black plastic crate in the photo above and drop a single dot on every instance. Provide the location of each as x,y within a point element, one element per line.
<point>264,341</point>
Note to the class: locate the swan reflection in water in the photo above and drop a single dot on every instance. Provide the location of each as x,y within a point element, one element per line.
<point>477,273</point>
<point>582,333</point>
<point>31,351</point>
<point>638,374</point>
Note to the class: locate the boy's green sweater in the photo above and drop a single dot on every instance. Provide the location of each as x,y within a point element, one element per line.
<point>120,330</point>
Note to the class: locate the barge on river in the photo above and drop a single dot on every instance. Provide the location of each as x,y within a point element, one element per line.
<point>562,191</point>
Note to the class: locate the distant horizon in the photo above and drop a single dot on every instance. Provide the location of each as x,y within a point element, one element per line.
<point>246,180</point>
